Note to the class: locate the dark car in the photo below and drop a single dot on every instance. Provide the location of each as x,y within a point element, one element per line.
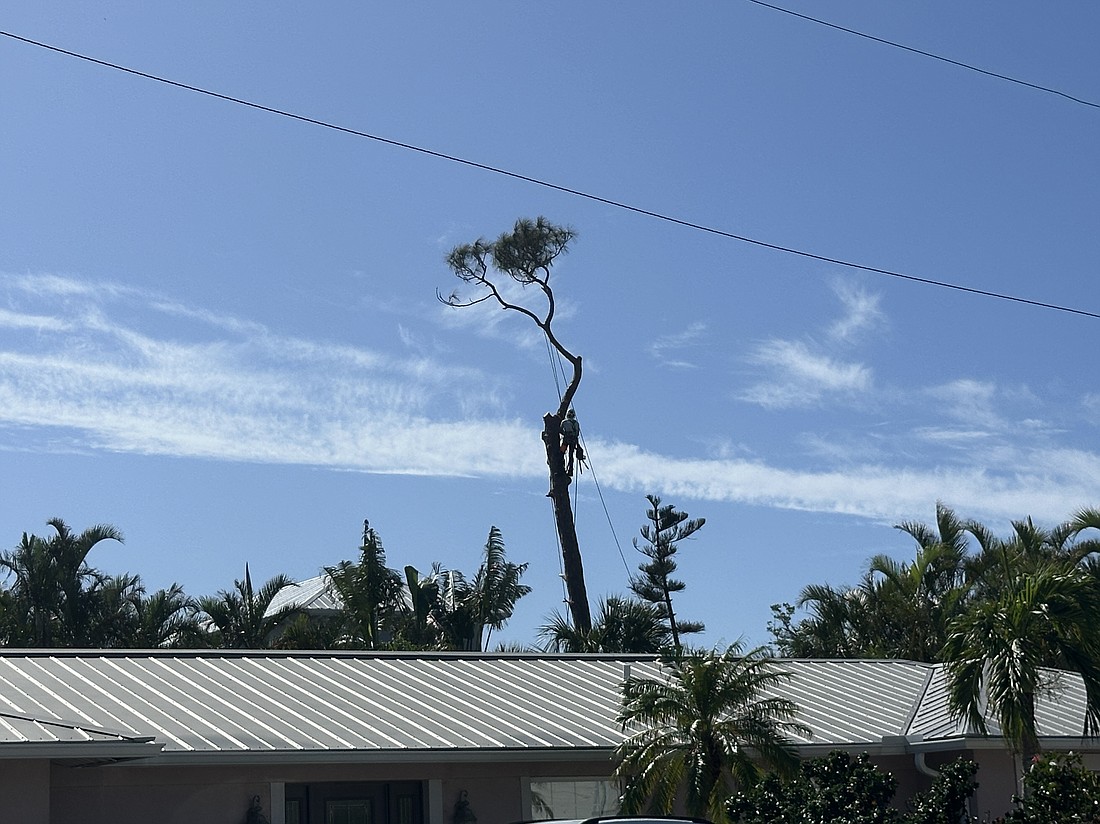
<point>622,819</point>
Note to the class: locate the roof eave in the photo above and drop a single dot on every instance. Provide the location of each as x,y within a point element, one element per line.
<point>99,751</point>
<point>383,756</point>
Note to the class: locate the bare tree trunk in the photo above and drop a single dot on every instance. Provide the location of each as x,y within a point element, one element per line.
<point>567,528</point>
<point>526,255</point>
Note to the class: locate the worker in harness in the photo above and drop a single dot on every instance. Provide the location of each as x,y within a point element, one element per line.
<point>570,441</point>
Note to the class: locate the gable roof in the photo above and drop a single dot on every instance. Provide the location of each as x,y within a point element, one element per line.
<point>436,706</point>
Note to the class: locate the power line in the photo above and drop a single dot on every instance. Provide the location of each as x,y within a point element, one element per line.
<point>558,187</point>
<point>959,63</point>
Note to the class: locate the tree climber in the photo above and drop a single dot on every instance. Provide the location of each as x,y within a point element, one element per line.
<point>570,441</point>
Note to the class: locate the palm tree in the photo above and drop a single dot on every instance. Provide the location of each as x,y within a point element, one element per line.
<point>621,625</point>
<point>916,602</point>
<point>999,652</point>
<point>1082,520</point>
<point>167,618</point>
<point>108,611</point>
<point>898,610</point>
<point>705,729</point>
<point>52,580</point>
<point>839,625</point>
<point>419,630</point>
<point>497,588</point>
<point>239,616</point>
<point>467,612</point>
<point>370,592</point>
<point>303,631</point>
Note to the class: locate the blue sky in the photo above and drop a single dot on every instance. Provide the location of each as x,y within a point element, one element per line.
<point>219,330</point>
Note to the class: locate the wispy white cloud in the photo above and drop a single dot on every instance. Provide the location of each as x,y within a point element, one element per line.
<point>58,286</point>
<point>970,401</point>
<point>1048,484</point>
<point>1091,404</point>
<point>41,323</point>
<point>231,390</point>
<point>801,373</point>
<point>797,376</point>
<point>952,435</point>
<point>861,311</point>
<point>669,350</point>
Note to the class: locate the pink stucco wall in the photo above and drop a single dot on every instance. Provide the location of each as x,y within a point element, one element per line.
<point>132,794</point>
<point>25,791</point>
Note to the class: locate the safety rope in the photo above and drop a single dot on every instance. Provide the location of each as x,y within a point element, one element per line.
<point>603,503</point>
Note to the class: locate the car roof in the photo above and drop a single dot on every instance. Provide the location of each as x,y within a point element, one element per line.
<point>623,819</point>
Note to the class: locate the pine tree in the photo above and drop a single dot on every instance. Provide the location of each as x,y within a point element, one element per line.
<point>656,584</point>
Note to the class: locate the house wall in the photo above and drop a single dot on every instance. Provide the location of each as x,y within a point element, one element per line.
<point>997,779</point>
<point>496,791</point>
<point>904,769</point>
<point>132,794</point>
<point>25,791</point>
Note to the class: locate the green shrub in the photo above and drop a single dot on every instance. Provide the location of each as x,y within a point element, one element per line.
<point>833,789</point>
<point>839,789</point>
<point>946,800</point>
<point>1058,790</point>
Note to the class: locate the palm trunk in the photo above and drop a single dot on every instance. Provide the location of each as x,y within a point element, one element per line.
<point>1029,741</point>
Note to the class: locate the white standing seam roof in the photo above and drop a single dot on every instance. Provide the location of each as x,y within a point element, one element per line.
<point>431,706</point>
<point>24,736</point>
<point>316,595</point>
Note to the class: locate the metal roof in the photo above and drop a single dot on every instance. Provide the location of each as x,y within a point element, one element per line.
<point>316,595</point>
<point>23,736</point>
<point>849,703</point>
<point>332,705</point>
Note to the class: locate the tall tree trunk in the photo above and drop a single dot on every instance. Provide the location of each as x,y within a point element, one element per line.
<point>567,528</point>
<point>1029,743</point>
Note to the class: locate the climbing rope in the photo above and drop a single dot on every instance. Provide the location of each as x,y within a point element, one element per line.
<point>550,356</point>
<point>603,503</point>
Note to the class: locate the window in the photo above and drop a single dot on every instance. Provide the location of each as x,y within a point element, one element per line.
<point>574,798</point>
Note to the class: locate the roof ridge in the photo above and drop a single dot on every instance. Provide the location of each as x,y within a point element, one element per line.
<point>918,705</point>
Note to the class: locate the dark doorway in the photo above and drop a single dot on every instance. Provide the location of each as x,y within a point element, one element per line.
<point>355,802</point>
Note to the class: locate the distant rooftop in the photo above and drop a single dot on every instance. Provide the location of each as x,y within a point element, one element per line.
<point>314,595</point>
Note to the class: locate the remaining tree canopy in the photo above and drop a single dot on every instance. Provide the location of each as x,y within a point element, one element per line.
<point>526,256</point>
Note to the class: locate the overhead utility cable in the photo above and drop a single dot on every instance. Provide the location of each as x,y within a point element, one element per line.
<point>923,53</point>
<point>559,188</point>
